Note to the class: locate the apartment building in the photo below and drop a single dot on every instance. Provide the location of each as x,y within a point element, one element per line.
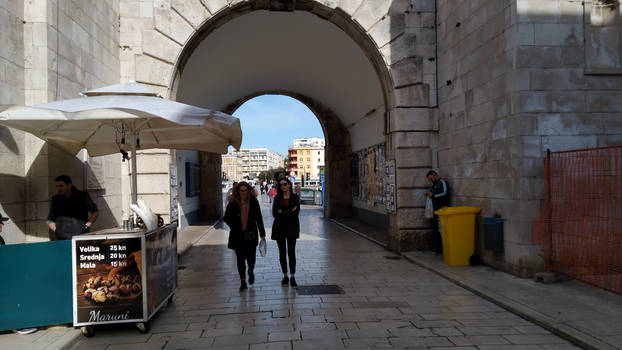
<point>231,167</point>
<point>306,157</point>
<point>251,161</point>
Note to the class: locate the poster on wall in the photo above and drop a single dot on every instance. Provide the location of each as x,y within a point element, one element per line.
<point>174,194</point>
<point>107,280</point>
<point>389,186</point>
<point>367,171</point>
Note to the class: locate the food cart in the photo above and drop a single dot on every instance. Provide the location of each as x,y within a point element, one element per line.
<point>122,276</point>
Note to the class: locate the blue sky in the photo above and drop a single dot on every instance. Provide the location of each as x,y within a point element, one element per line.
<point>273,121</point>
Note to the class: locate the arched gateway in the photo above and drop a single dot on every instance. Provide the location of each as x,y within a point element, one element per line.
<point>358,65</point>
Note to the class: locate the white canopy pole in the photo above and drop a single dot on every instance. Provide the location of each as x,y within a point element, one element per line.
<point>134,170</point>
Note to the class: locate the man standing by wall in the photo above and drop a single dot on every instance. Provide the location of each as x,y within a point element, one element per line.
<point>69,210</point>
<point>439,192</point>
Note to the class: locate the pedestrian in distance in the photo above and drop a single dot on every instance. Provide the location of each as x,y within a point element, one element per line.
<point>272,193</point>
<point>69,210</point>
<point>286,228</point>
<point>439,192</point>
<point>230,191</point>
<point>243,215</point>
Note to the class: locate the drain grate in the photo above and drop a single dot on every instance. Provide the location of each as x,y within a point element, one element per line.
<point>393,257</point>
<point>320,289</point>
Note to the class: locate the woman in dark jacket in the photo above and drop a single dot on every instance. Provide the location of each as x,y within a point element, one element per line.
<point>243,215</point>
<point>286,228</point>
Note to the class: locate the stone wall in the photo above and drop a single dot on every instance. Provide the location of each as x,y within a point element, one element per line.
<point>12,142</point>
<point>512,85</point>
<point>412,123</point>
<point>188,206</point>
<point>481,141</point>
<point>53,50</point>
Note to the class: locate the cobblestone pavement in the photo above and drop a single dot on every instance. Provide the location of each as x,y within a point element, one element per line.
<point>388,303</point>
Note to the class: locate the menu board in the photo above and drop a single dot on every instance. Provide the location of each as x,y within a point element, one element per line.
<point>108,280</point>
<point>161,263</point>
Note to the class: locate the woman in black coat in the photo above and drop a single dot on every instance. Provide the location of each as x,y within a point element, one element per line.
<point>286,228</point>
<point>243,215</point>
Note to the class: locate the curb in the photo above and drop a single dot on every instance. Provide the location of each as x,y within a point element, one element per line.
<point>188,246</point>
<point>344,226</point>
<point>68,340</point>
<point>556,327</point>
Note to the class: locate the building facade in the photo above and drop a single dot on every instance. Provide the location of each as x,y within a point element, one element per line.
<point>478,90</point>
<point>232,167</point>
<point>306,157</point>
<point>252,161</point>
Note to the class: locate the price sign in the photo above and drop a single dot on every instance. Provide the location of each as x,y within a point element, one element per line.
<point>108,280</point>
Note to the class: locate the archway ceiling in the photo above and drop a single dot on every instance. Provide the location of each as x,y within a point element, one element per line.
<point>294,52</point>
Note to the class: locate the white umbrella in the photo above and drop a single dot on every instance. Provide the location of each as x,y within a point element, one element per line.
<point>124,117</point>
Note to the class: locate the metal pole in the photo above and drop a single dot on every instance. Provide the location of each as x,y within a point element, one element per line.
<point>549,214</point>
<point>134,173</point>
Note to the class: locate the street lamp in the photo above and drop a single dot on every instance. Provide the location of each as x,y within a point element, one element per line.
<point>302,178</point>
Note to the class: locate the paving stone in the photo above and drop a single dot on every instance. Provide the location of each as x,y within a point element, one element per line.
<point>479,340</point>
<point>420,341</point>
<point>509,347</point>
<point>283,336</point>
<point>190,343</point>
<point>318,344</point>
<point>446,332</point>
<point>533,339</point>
<point>368,333</point>
<point>269,329</point>
<point>168,336</point>
<point>283,345</point>
<point>224,340</point>
<point>488,330</point>
<point>367,343</point>
<point>323,334</point>
<point>149,346</point>
<point>388,304</point>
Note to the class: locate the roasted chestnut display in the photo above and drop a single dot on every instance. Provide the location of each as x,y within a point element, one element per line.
<point>123,284</point>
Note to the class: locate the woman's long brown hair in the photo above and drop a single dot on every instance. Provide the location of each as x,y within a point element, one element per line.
<point>235,194</point>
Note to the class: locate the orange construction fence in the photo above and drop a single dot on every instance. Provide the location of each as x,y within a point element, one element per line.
<point>580,226</point>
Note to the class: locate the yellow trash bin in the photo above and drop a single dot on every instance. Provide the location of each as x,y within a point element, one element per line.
<point>458,234</point>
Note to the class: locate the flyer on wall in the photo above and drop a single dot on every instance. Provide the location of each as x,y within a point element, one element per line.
<point>108,279</point>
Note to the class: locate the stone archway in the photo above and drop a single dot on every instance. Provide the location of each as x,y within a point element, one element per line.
<point>392,37</point>
<point>315,62</point>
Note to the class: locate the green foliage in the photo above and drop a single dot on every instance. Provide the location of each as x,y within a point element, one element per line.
<point>269,175</point>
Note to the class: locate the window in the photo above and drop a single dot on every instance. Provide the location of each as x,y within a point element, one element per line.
<point>193,179</point>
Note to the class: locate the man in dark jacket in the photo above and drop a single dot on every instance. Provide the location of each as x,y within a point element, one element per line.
<point>69,210</point>
<point>439,192</point>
